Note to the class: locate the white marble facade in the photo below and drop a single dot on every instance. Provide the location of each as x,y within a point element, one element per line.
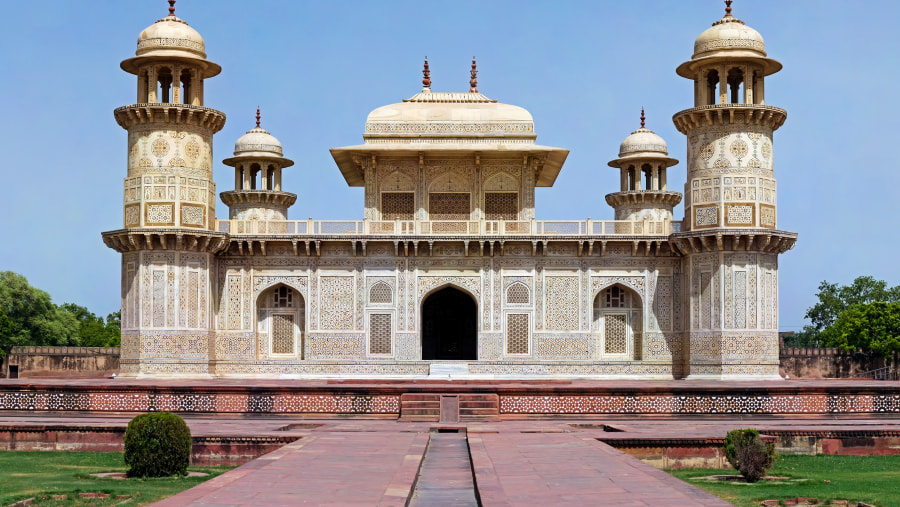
<point>448,263</point>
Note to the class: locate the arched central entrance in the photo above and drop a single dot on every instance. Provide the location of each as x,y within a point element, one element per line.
<point>449,326</point>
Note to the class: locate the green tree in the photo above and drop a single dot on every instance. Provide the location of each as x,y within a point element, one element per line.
<point>32,318</point>
<point>834,299</point>
<point>873,326</point>
<point>93,331</point>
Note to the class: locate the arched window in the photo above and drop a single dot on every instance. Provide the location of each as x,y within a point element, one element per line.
<point>712,81</point>
<point>735,84</point>
<point>254,176</point>
<point>517,294</point>
<point>281,322</point>
<point>164,78</point>
<point>381,293</point>
<point>618,323</point>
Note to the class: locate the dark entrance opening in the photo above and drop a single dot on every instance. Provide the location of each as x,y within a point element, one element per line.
<point>449,326</point>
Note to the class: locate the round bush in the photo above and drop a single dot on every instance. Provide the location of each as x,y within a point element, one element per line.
<point>157,445</point>
<point>749,454</point>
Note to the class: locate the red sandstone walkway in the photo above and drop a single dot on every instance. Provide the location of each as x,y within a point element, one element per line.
<point>378,466</point>
<point>327,469</point>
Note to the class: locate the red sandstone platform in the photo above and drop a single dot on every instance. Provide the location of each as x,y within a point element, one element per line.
<point>499,399</point>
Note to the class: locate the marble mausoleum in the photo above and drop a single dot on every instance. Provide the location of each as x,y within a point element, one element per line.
<point>448,271</point>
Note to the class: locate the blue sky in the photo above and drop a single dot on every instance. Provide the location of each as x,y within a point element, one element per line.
<point>583,68</point>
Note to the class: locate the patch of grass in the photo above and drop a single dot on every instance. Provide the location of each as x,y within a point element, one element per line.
<point>26,474</point>
<point>870,479</point>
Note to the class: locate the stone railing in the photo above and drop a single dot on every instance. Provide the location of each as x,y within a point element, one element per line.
<point>445,227</point>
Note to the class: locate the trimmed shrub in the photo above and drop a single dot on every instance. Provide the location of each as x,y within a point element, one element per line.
<point>157,445</point>
<point>749,454</point>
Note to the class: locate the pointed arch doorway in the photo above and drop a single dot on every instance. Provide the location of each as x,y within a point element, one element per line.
<point>449,326</point>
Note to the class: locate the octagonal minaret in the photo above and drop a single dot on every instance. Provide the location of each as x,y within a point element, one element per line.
<point>729,237</point>
<point>258,160</point>
<point>169,236</point>
<point>642,163</point>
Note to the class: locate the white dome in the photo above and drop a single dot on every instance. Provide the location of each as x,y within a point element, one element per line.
<point>170,34</point>
<point>643,141</point>
<point>259,141</point>
<point>728,36</point>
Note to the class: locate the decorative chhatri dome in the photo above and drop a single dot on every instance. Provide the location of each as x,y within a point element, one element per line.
<point>643,143</point>
<point>729,37</point>
<point>726,34</point>
<point>171,38</point>
<point>257,142</point>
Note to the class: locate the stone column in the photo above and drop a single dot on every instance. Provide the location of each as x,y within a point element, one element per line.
<point>152,85</point>
<point>723,85</point>
<point>176,85</point>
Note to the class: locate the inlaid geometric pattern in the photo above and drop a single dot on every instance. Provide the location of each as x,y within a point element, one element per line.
<point>160,214</point>
<point>337,302</point>
<point>517,333</point>
<point>501,206</point>
<point>739,215</point>
<point>448,206</point>
<point>615,333</point>
<point>282,333</point>
<point>740,299</point>
<point>705,302</point>
<point>192,215</point>
<point>132,215</point>
<point>398,206</point>
<point>517,294</point>
<point>766,215</point>
<point>706,216</point>
<point>562,303</point>
<point>379,333</point>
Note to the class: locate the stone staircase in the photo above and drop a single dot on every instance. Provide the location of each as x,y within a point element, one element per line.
<point>449,408</point>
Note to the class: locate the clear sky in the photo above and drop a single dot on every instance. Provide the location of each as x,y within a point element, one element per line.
<point>583,69</point>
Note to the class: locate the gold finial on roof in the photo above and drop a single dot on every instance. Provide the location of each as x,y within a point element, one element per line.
<point>642,117</point>
<point>257,117</point>
<point>172,8</point>
<point>728,8</point>
<point>473,83</point>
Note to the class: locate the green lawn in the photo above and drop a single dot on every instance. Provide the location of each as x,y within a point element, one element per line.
<point>26,474</point>
<point>870,479</point>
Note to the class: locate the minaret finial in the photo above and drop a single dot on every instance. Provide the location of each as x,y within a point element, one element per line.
<point>172,8</point>
<point>473,83</point>
<point>257,117</point>
<point>728,8</point>
<point>642,118</point>
<point>427,73</point>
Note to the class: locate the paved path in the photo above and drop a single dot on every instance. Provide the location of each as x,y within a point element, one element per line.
<point>378,465</point>
<point>327,469</point>
<point>543,469</point>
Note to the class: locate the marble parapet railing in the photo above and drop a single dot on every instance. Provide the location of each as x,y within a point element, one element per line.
<point>444,227</point>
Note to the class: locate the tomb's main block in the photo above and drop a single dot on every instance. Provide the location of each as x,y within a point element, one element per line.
<point>449,270</point>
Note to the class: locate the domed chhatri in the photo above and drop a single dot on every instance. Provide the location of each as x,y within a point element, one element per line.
<point>643,160</point>
<point>727,38</point>
<point>729,232</point>
<point>171,39</point>
<point>257,163</point>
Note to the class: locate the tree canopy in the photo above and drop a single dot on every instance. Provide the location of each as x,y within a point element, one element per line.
<point>863,315</point>
<point>28,316</point>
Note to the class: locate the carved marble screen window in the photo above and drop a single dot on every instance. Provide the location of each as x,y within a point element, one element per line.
<point>281,320</point>
<point>517,334</point>
<point>446,206</point>
<point>617,323</point>
<point>398,206</point>
<point>501,206</point>
<point>380,334</point>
